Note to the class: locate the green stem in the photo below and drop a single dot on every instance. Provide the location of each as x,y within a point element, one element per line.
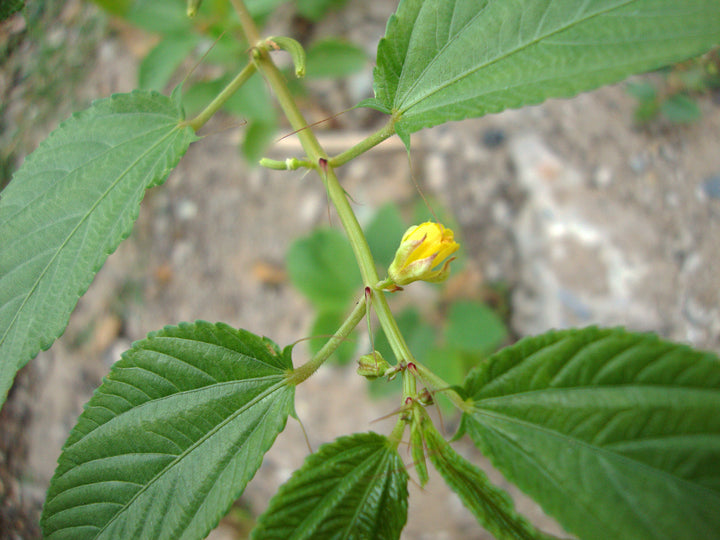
<point>429,378</point>
<point>246,22</point>
<point>366,144</point>
<point>241,78</point>
<point>307,369</point>
<point>409,385</point>
<point>336,194</point>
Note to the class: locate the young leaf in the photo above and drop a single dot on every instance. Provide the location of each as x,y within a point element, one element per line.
<point>322,266</point>
<point>473,326</point>
<point>444,60</point>
<point>69,206</point>
<point>355,487</point>
<point>317,9</point>
<point>332,57</point>
<point>162,16</point>
<point>681,109</point>
<point>162,61</point>
<point>384,232</point>
<point>615,434</point>
<point>172,436</point>
<point>493,507</point>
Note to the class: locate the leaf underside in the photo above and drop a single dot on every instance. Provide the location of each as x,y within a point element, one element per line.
<point>613,433</point>
<point>172,436</point>
<point>69,206</point>
<point>355,487</point>
<point>493,507</point>
<point>444,60</point>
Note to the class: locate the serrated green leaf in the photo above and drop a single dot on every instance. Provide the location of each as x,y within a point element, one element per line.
<point>71,203</point>
<point>172,436</point>
<point>332,57</point>
<point>444,60</point>
<point>615,434</point>
<point>417,449</point>
<point>493,507</point>
<point>322,266</point>
<point>355,487</point>
<point>326,324</point>
<point>161,62</point>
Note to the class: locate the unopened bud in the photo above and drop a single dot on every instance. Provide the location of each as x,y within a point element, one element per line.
<point>372,366</point>
<point>422,249</point>
<point>425,397</point>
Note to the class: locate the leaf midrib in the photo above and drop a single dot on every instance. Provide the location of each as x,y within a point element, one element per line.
<point>612,456</point>
<point>453,80</point>
<point>368,488</point>
<point>191,449</point>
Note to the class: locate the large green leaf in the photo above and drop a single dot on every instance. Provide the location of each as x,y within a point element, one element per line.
<point>69,206</point>
<point>493,507</point>
<point>615,434</point>
<point>355,487</point>
<point>444,60</point>
<point>171,437</point>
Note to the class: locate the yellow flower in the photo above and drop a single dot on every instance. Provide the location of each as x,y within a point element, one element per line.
<point>422,248</point>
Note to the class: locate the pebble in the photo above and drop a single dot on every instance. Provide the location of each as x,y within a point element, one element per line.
<point>493,138</point>
<point>638,163</point>
<point>711,187</point>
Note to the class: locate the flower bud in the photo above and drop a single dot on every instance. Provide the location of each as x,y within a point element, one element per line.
<point>373,365</point>
<point>422,248</point>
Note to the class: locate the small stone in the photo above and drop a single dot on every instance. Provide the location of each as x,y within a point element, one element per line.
<point>493,138</point>
<point>602,177</point>
<point>186,210</point>
<point>711,187</point>
<point>638,163</point>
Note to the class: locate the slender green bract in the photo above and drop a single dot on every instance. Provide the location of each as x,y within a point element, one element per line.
<point>444,60</point>
<point>69,206</point>
<point>493,507</point>
<point>355,487</point>
<point>172,436</point>
<point>615,434</point>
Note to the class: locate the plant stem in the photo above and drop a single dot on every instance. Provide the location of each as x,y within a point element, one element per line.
<point>241,78</point>
<point>409,385</point>
<point>246,22</point>
<point>366,144</point>
<point>307,369</point>
<point>335,192</point>
<point>438,384</point>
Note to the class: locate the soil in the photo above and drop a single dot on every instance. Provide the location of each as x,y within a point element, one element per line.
<point>210,244</point>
